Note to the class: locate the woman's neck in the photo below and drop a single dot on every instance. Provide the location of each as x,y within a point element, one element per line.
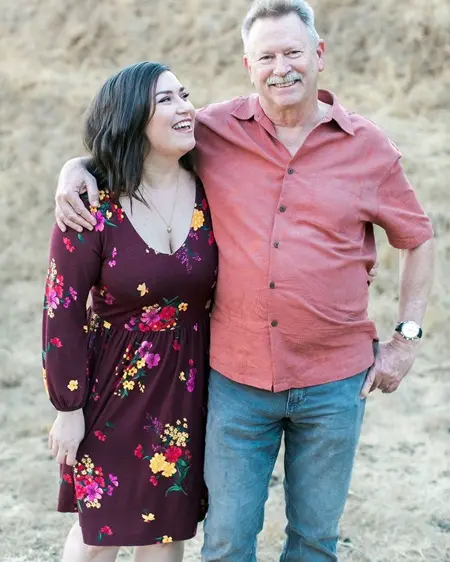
<point>160,173</point>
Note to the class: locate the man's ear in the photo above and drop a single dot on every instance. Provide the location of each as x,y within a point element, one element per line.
<point>320,54</point>
<point>247,66</point>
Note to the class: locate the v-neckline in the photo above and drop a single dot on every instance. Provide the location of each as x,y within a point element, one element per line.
<point>154,250</point>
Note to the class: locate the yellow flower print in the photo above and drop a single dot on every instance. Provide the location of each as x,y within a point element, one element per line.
<point>148,517</point>
<point>182,376</point>
<point>108,214</point>
<point>128,385</point>
<point>106,324</point>
<point>132,371</point>
<point>101,195</point>
<point>73,385</point>
<point>142,288</point>
<point>141,386</point>
<point>169,469</point>
<point>166,539</point>
<point>140,363</point>
<point>198,219</point>
<point>158,463</point>
<point>183,306</point>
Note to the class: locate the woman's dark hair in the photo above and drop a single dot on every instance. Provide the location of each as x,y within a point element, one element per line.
<point>114,132</point>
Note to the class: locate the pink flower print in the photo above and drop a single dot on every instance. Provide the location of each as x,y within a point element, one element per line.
<point>93,492</point>
<point>52,298</point>
<point>144,348</point>
<point>73,294</point>
<point>114,480</point>
<point>112,262</point>
<point>100,435</point>
<point>191,362</point>
<point>106,530</point>
<point>138,452</point>
<point>211,238</point>
<point>56,342</point>
<point>152,359</point>
<point>100,221</point>
<point>67,302</point>
<point>150,318</point>
<point>109,299</point>
<point>190,385</point>
<point>173,454</point>
<point>176,345</point>
<point>154,480</point>
<point>196,327</point>
<point>68,244</point>
<point>110,490</point>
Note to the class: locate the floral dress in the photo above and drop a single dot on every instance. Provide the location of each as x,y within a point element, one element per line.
<point>136,361</point>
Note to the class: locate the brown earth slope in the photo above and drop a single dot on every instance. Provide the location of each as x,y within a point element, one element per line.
<point>385,58</point>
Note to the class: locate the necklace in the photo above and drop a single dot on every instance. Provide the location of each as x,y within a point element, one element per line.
<point>168,223</point>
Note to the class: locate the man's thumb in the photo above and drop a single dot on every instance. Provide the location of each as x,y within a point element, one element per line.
<point>370,377</point>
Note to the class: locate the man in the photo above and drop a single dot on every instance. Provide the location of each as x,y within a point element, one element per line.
<point>295,184</point>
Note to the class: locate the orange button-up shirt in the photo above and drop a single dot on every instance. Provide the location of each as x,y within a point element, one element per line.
<point>296,241</point>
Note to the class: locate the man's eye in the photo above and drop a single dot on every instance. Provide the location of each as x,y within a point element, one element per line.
<point>265,58</point>
<point>294,53</point>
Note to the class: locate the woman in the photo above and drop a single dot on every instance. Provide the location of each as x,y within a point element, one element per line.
<point>128,376</point>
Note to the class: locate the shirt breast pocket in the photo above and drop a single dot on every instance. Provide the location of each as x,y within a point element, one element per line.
<point>330,203</point>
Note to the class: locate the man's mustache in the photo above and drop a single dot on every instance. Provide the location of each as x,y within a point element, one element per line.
<point>290,77</point>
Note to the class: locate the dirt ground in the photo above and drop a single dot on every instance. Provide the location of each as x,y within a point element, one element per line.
<point>386,59</point>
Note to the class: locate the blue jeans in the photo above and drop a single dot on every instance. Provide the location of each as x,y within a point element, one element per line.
<point>321,425</point>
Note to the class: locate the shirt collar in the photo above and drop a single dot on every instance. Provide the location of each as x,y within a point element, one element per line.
<point>251,108</point>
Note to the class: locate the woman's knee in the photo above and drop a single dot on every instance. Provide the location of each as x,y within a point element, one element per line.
<point>101,553</point>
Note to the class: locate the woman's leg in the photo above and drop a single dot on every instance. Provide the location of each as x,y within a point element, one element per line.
<point>76,551</point>
<point>168,552</point>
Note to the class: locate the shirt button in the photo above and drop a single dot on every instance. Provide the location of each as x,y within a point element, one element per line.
<point>290,171</point>
<point>274,323</point>
<point>282,209</point>
<point>276,244</point>
<point>272,285</point>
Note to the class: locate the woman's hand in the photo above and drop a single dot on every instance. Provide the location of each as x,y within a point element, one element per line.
<point>70,211</point>
<point>65,436</point>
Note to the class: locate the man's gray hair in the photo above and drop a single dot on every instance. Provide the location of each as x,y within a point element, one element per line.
<point>277,8</point>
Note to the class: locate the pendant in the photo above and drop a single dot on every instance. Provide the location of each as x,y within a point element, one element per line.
<point>169,230</point>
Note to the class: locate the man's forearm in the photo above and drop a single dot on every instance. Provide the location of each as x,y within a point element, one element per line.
<point>416,279</point>
<point>78,162</point>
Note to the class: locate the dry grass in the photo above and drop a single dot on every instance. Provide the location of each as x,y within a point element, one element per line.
<point>388,59</point>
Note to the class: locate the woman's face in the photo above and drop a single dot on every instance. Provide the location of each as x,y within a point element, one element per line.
<point>171,129</point>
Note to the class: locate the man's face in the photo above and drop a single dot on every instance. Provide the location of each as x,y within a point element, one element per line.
<point>283,61</point>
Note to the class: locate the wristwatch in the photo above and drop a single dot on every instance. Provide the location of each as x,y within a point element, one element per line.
<point>409,330</point>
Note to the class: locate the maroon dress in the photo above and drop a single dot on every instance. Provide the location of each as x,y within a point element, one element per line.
<point>136,361</point>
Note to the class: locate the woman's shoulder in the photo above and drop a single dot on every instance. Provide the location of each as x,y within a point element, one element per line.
<point>108,213</point>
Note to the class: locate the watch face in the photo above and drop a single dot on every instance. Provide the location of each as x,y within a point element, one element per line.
<point>410,329</point>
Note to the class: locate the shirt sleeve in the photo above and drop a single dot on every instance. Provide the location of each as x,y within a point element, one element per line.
<point>74,266</point>
<point>399,212</point>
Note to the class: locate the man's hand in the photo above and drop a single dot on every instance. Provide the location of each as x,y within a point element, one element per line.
<point>65,436</point>
<point>70,211</point>
<point>392,363</point>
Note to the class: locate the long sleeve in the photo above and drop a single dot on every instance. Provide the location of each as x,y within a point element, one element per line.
<point>74,266</point>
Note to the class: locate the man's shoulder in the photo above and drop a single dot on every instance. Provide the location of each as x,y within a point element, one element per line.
<point>370,132</point>
<point>219,111</point>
